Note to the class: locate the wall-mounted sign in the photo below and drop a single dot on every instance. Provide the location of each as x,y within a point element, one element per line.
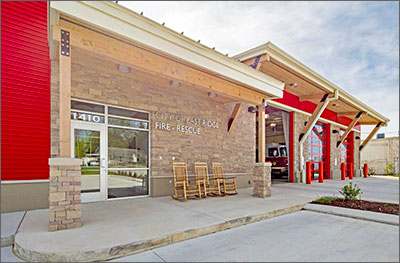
<point>80,116</point>
<point>183,124</point>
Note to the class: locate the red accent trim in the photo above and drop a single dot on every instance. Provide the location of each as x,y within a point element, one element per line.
<point>307,106</point>
<point>365,170</point>
<point>25,93</point>
<point>291,147</point>
<point>351,171</point>
<point>308,172</point>
<point>343,171</point>
<point>327,174</point>
<point>321,172</point>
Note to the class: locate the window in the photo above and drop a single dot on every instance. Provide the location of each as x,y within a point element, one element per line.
<point>317,141</point>
<point>283,152</point>
<point>273,152</point>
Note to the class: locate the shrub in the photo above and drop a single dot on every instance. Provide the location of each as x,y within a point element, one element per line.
<point>389,169</point>
<point>371,171</point>
<point>326,199</point>
<point>351,192</point>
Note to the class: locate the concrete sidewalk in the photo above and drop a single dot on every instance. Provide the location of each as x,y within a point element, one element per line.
<point>9,226</point>
<point>118,228</point>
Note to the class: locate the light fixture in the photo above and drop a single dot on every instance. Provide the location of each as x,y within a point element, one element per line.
<point>335,105</point>
<point>266,115</point>
<point>212,94</point>
<point>293,85</point>
<point>124,68</point>
<point>174,84</point>
<point>273,124</point>
<point>334,131</point>
<point>357,137</point>
<point>252,109</point>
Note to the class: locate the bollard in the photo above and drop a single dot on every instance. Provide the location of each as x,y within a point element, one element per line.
<point>351,171</point>
<point>343,170</point>
<point>321,172</point>
<point>308,172</point>
<point>365,170</point>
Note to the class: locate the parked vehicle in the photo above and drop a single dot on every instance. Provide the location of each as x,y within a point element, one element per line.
<point>277,155</point>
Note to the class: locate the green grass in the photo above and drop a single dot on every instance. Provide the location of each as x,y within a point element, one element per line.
<point>326,199</point>
<point>393,175</point>
<point>89,170</point>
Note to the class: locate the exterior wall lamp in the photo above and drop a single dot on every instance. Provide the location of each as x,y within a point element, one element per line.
<point>335,131</point>
<point>252,109</point>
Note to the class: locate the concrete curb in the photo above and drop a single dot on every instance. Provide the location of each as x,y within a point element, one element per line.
<point>354,213</point>
<point>140,246</point>
<point>7,241</point>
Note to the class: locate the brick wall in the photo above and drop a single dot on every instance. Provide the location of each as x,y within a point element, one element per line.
<point>357,143</point>
<point>335,151</point>
<point>96,78</point>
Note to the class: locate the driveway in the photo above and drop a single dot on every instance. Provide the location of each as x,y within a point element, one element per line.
<point>300,236</point>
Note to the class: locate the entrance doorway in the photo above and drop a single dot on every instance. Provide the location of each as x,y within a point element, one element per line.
<point>277,137</point>
<point>113,144</point>
<point>88,144</point>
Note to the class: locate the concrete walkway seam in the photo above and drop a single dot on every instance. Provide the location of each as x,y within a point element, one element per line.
<point>354,213</point>
<point>9,241</point>
<point>144,245</point>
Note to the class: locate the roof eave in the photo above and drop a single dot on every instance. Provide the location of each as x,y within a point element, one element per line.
<point>127,23</point>
<point>284,58</point>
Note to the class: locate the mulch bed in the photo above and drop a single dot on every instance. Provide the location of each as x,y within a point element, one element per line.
<point>386,208</point>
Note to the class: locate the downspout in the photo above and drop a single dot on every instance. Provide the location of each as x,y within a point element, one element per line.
<point>305,136</point>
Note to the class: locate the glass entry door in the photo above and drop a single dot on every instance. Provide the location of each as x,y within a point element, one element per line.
<point>88,144</point>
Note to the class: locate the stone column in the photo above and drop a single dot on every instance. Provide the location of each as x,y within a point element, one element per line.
<point>65,193</point>
<point>262,180</point>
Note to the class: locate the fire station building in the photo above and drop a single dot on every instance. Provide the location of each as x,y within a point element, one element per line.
<point>98,85</point>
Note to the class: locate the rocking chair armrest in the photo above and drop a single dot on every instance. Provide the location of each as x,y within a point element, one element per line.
<point>230,177</point>
<point>195,180</point>
<point>199,179</point>
<point>180,182</point>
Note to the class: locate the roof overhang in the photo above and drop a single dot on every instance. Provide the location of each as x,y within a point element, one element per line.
<point>285,59</point>
<point>128,24</point>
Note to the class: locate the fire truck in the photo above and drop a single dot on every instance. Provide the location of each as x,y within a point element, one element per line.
<point>277,155</point>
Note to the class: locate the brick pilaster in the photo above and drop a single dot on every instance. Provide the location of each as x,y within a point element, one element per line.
<point>64,193</point>
<point>262,180</point>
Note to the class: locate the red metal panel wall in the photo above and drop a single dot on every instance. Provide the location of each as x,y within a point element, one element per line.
<point>25,91</point>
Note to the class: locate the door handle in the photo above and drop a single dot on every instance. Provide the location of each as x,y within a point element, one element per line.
<point>103,162</point>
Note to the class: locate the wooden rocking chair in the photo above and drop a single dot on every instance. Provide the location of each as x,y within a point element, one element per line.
<point>201,172</point>
<point>228,183</point>
<point>183,189</point>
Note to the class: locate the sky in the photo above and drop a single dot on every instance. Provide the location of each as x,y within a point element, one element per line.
<point>355,45</point>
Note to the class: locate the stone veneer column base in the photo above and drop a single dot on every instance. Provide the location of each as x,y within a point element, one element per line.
<point>65,193</point>
<point>262,180</point>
